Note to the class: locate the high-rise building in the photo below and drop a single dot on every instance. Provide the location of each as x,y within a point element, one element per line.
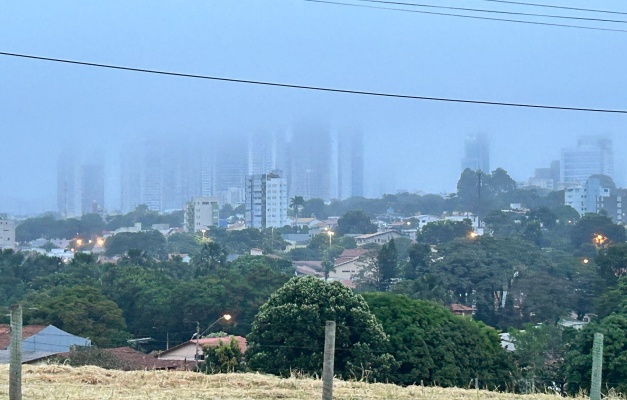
<point>92,185</point>
<point>350,164</point>
<point>476,154</point>
<point>546,178</point>
<point>266,200</point>
<point>7,232</point>
<point>593,155</point>
<point>309,162</point>
<point>231,163</point>
<point>598,193</point>
<point>261,153</point>
<point>68,186</point>
<point>201,213</point>
<point>162,175</point>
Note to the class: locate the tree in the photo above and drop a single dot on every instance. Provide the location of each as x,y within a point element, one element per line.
<point>315,207</point>
<point>432,345</point>
<point>211,257</point>
<point>612,263</point>
<point>224,358</point>
<point>152,242</point>
<point>500,182</point>
<point>539,357</point>
<point>288,332</point>
<point>82,311</point>
<point>355,222</point>
<point>591,225</point>
<point>296,203</point>
<point>579,357</point>
<point>418,261</point>
<point>444,231</point>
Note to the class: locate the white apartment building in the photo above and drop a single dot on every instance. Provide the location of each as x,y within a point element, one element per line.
<point>266,201</point>
<point>7,233</point>
<point>201,213</point>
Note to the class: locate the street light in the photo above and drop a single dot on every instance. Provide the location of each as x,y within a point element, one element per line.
<point>330,233</point>
<point>225,317</point>
<point>599,240</point>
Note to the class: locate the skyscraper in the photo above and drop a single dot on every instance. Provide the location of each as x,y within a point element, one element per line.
<point>476,154</point>
<point>593,155</point>
<point>68,186</point>
<point>309,162</point>
<point>92,185</point>
<point>350,164</point>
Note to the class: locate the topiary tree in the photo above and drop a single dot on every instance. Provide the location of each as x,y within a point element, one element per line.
<point>288,332</point>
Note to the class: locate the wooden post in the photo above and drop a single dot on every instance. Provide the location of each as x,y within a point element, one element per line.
<point>597,367</point>
<point>329,355</point>
<point>15,369</point>
<point>477,387</point>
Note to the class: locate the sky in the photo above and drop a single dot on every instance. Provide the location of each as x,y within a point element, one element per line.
<point>47,108</point>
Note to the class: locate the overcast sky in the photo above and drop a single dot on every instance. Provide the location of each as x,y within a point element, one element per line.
<point>410,144</point>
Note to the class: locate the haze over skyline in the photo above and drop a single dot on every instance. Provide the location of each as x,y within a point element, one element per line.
<point>47,108</point>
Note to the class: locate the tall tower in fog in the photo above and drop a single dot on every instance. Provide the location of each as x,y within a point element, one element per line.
<point>593,155</point>
<point>350,164</point>
<point>476,154</point>
<point>310,162</point>
<point>163,175</point>
<point>68,186</point>
<point>92,185</point>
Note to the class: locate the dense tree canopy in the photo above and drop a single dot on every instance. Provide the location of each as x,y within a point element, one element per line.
<point>355,222</point>
<point>288,332</point>
<point>432,345</point>
<point>83,311</point>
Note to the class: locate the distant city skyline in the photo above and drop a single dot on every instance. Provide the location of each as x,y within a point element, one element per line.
<point>165,174</point>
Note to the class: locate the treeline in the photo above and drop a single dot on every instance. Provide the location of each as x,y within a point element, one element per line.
<point>49,226</point>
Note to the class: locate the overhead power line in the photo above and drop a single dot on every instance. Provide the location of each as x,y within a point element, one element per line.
<point>518,21</point>
<point>313,88</point>
<point>556,7</point>
<point>483,10</point>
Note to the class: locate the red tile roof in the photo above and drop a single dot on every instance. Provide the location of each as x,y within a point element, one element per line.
<point>27,331</point>
<point>136,360</point>
<point>212,342</point>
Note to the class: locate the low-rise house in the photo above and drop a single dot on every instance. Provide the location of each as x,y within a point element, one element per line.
<point>378,237</point>
<point>133,360</point>
<point>460,309</point>
<point>349,264</point>
<point>39,342</point>
<point>187,351</point>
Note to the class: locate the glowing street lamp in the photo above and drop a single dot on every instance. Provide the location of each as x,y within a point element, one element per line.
<point>198,335</point>
<point>599,240</point>
<point>330,233</point>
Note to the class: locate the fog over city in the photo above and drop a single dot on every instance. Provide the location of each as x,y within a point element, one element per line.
<point>57,111</point>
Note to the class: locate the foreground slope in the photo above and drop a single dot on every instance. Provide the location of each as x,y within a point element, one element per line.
<point>85,383</point>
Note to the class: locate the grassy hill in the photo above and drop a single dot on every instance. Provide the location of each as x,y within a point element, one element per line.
<point>85,383</point>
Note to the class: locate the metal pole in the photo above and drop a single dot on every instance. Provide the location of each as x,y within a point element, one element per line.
<point>197,338</point>
<point>15,369</point>
<point>597,367</point>
<point>329,355</point>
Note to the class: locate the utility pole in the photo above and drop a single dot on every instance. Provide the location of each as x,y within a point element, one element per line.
<point>15,369</point>
<point>196,357</point>
<point>329,356</point>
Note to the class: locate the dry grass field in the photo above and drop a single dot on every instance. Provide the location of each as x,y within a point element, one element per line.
<point>86,383</point>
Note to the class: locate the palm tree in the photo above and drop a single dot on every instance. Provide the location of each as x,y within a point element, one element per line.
<point>295,203</point>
